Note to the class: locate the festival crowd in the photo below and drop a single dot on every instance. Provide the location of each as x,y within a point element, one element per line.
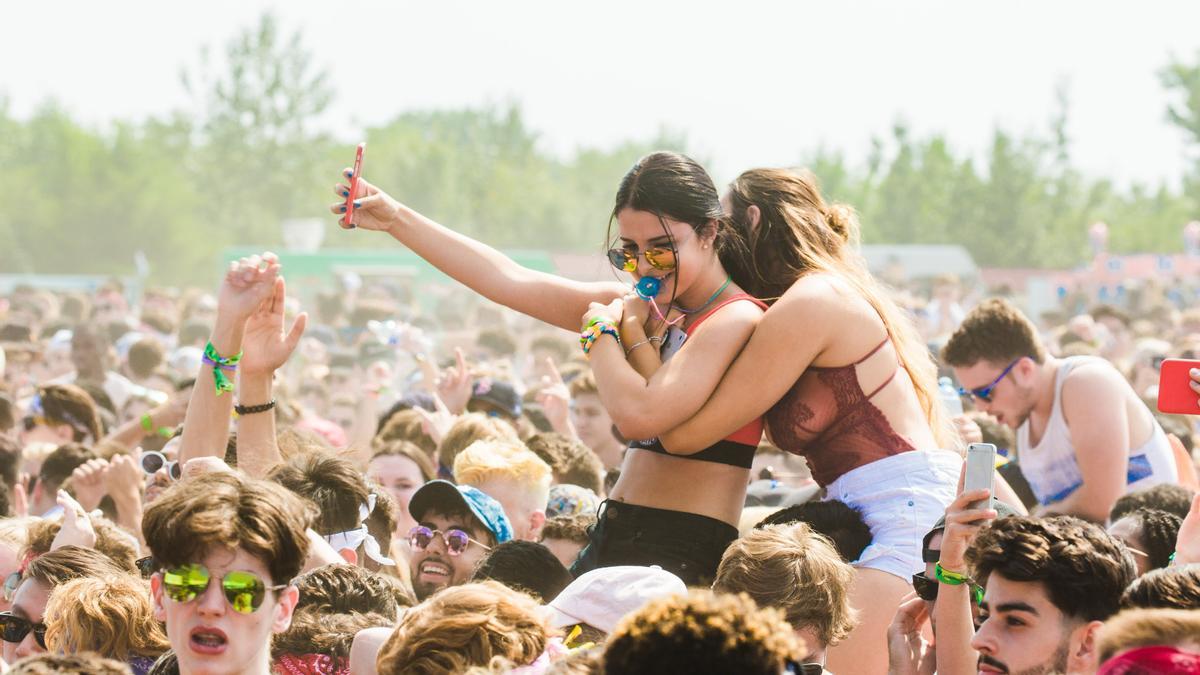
<point>747,458</point>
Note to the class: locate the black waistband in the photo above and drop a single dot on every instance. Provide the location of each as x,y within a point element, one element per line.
<point>722,452</point>
<point>620,514</point>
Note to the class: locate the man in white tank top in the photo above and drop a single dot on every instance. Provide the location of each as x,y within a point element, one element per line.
<point>1084,438</point>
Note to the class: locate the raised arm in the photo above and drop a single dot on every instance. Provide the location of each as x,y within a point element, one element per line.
<point>788,338</point>
<point>247,284</point>
<point>556,300</point>
<point>266,347</point>
<point>644,407</point>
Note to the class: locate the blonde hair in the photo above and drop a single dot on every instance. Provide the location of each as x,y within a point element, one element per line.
<point>14,532</point>
<point>464,626</point>
<point>469,428</point>
<point>484,461</point>
<point>1134,628</point>
<point>799,233</point>
<point>792,568</point>
<point>109,615</point>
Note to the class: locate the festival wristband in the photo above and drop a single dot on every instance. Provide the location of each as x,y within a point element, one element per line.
<point>220,365</point>
<point>949,578</point>
<point>252,409</point>
<point>148,427</point>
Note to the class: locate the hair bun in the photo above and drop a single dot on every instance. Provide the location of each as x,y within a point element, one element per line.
<point>842,220</point>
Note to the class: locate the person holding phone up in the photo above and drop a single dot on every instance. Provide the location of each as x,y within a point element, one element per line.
<point>1084,437</point>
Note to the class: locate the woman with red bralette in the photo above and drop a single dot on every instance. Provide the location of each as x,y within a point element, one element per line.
<point>842,378</point>
<point>673,232</point>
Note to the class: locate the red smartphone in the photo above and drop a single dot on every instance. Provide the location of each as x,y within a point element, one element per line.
<point>1175,393</point>
<point>358,159</point>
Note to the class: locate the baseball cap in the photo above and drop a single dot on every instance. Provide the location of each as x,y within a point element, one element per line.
<point>440,494</point>
<point>1002,511</point>
<point>498,394</point>
<point>602,597</point>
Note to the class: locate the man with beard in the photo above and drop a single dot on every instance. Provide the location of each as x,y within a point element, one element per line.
<point>1084,438</point>
<point>1048,586</point>
<point>456,526</point>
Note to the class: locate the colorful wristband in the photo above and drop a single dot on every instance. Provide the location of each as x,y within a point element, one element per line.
<point>949,578</point>
<point>221,365</point>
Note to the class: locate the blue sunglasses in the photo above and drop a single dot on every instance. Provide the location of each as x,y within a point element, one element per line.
<point>985,393</point>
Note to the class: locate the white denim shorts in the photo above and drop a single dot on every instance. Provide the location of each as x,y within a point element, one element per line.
<point>900,498</point>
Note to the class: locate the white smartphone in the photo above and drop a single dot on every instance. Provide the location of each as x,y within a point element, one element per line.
<point>981,472</point>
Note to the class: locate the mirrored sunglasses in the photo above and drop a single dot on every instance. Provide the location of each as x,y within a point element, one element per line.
<point>660,258</point>
<point>244,590</point>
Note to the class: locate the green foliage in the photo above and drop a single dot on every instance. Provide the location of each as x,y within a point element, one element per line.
<point>246,154</point>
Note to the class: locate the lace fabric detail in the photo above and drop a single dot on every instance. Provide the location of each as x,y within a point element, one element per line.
<point>827,418</point>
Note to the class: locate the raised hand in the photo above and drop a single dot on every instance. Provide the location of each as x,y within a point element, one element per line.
<point>88,482</point>
<point>437,423</point>
<point>266,347</point>
<point>247,284</point>
<point>76,527</point>
<point>454,385</point>
<point>374,209</point>
<point>908,653</point>
<point>555,399</point>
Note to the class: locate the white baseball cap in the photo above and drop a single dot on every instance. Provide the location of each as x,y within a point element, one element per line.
<point>602,597</point>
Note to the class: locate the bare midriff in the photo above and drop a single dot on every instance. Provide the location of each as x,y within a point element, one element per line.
<point>680,484</point>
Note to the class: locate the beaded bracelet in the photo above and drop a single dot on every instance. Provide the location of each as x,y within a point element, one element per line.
<point>220,365</point>
<point>595,328</point>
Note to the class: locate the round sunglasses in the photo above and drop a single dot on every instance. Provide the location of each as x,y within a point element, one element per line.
<point>14,628</point>
<point>455,540</point>
<point>153,460</point>
<point>661,258</point>
<point>244,590</point>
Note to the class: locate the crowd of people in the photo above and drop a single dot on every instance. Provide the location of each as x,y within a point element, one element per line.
<point>744,462</point>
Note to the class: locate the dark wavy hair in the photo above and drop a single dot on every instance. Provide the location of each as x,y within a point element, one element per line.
<point>1082,568</point>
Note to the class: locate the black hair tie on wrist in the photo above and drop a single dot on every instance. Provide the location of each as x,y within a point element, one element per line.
<point>251,409</point>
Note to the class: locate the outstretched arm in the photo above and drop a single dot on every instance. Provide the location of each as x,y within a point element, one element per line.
<point>556,300</point>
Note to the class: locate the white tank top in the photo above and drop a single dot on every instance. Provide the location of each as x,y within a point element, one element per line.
<point>1050,466</point>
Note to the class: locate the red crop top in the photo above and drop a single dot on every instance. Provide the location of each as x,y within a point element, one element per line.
<point>736,449</point>
<point>831,421</point>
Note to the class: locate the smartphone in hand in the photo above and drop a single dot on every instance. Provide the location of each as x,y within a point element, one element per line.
<point>981,472</point>
<point>1175,393</point>
<point>358,161</point>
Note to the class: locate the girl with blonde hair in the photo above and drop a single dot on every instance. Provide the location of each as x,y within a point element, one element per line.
<point>111,616</point>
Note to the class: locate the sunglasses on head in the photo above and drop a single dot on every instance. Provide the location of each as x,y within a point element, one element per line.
<point>243,590</point>
<point>14,629</point>
<point>660,258</point>
<point>153,461</point>
<point>456,541</point>
<point>11,582</point>
<point>985,393</point>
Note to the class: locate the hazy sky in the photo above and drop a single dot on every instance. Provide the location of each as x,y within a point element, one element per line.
<point>751,83</point>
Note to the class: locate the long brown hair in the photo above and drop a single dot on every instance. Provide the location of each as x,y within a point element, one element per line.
<point>799,233</point>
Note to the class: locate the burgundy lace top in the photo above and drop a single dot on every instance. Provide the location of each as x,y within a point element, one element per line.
<point>827,418</point>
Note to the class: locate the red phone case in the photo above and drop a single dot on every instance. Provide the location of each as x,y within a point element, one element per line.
<point>358,160</point>
<point>1175,393</point>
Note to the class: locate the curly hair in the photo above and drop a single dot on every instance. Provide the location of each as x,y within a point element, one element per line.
<point>1168,497</point>
<point>1136,628</point>
<point>573,462</point>
<point>464,626</point>
<point>110,615</point>
<point>797,570</point>
<point>346,589</point>
<point>1171,588</point>
<point>524,566</point>
<point>702,633</point>
<point>315,631</point>
<point>570,528</point>
<point>1158,531</point>
<point>994,331</point>
<point>1082,569</point>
